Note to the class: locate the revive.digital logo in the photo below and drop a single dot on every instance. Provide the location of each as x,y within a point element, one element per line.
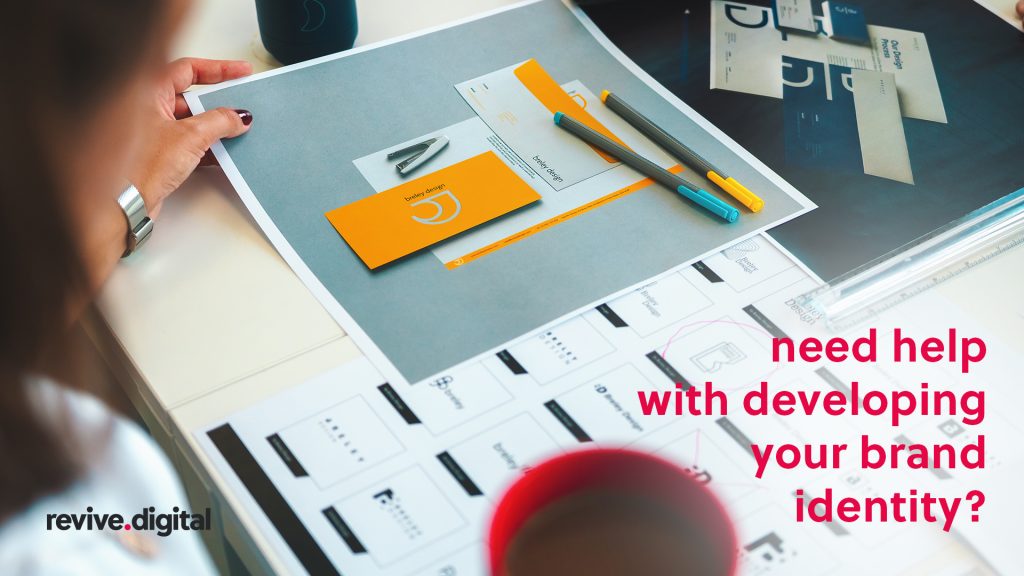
<point>148,520</point>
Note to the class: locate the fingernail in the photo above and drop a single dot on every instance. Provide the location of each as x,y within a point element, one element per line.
<point>245,115</point>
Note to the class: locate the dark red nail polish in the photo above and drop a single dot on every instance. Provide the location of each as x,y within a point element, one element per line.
<point>245,115</point>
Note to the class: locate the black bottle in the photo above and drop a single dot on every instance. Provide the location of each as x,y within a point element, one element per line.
<point>297,30</point>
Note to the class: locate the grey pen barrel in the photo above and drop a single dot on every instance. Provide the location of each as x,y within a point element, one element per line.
<point>625,155</point>
<point>662,138</point>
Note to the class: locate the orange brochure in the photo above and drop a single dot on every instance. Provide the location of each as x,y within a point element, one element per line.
<point>537,80</point>
<point>397,222</point>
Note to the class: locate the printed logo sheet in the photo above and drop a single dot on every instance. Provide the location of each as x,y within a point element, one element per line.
<point>349,473</point>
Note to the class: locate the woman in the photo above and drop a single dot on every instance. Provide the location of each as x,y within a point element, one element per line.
<point>87,105</point>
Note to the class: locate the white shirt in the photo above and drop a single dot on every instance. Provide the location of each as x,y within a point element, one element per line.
<point>127,474</point>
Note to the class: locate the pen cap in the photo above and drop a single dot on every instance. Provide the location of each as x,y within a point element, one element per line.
<point>738,191</point>
<point>609,511</point>
<point>711,203</point>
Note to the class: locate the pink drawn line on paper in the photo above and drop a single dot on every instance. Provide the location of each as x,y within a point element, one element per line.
<point>681,329</point>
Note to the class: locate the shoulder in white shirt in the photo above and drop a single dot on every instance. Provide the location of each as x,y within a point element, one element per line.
<point>127,475</point>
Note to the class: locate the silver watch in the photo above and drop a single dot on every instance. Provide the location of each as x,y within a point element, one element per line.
<point>139,224</point>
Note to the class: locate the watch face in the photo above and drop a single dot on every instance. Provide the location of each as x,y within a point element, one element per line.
<point>143,230</point>
<point>138,235</point>
<point>131,244</point>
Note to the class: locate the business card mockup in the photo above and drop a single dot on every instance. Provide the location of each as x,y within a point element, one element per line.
<point>397,222</point>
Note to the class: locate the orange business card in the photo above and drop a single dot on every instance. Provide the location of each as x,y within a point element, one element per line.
<point>397,222</point>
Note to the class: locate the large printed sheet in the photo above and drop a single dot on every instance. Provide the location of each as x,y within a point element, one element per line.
<point>325,126</point>
<point>354,474</point>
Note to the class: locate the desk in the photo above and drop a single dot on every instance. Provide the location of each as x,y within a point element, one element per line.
<point>208,319</point>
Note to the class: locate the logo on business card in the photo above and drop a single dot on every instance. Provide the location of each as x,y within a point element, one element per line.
<point>441,213</point>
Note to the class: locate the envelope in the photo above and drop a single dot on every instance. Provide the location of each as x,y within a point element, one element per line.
<point>883,143</point>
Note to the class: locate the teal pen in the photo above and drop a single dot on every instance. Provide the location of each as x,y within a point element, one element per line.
<point>647,168</point>
<point>682,151</point>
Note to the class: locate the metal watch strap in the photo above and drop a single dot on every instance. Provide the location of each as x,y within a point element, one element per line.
<point>139,223</point>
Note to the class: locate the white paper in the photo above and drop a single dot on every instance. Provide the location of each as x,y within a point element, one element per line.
<point>590,368</point>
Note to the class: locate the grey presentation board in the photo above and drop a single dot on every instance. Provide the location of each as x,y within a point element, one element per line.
<point>312,121</point>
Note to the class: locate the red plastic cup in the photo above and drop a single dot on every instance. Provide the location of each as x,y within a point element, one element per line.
<point>601,512</point>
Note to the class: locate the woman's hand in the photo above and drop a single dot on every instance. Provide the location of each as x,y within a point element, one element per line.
<point>1020,8</point>
<point>173,143</point>
<point>178,142</point>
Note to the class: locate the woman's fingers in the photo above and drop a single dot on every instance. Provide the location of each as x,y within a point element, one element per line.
<point>181,109</point>
<point>176,147</point>
<point>186,72</point>
<point>213,125</point>
<point>209,159</point>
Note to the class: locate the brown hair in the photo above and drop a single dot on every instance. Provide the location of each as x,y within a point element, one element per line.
<point>64,57</point>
